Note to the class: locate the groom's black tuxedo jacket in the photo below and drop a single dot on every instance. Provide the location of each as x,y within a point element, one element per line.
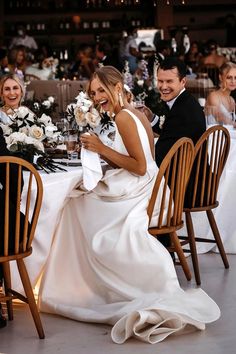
<point>185,119</point>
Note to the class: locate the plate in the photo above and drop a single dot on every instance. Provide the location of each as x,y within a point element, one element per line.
<point>66,162</point>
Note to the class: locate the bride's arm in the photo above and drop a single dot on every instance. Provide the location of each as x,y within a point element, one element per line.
<point>135,162</point>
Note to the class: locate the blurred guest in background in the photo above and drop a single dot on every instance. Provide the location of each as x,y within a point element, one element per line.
<point>83,67</point>
<point>193,56</point>
<point>44,67</point>
<point>129,50</point>
<point>163,50</point>
<point>17,61</point>
<point>220,105</point>
<point>24,40</point>
<point>212,61</point>
<point>3,62</point>
<point>211,56</point>
<point>104,55</point>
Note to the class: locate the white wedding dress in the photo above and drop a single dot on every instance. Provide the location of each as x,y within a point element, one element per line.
<point>104,267</point>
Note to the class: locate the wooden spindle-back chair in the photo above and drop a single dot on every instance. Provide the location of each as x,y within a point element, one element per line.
<point>169,188</point>
<point>210,156</point>
<point>18,228</point>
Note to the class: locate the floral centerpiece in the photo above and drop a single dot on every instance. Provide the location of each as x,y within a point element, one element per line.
<point>39,107</point>
<point>144,89</point>
<point>84,116</point>
<point>27,134</point>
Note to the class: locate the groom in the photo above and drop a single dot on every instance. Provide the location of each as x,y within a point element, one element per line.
<point>185,116</point>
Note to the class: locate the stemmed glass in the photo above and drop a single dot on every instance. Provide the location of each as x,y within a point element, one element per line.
<point>212,115</point>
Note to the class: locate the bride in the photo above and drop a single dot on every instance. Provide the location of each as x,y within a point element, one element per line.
<point>104,267</point>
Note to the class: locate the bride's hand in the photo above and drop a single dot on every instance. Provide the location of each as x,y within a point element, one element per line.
<point>91,142</point>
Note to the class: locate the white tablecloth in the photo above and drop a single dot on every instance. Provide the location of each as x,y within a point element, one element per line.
<point>57,187</point>
<point>225,213</point>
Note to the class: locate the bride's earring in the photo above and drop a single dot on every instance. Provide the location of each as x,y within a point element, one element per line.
<point>121,102</point>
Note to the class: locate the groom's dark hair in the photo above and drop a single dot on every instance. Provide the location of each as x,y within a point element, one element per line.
<point>171,63</point>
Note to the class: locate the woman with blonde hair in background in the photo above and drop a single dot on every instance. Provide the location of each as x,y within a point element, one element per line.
<point>12,91</point>
<point>220,105</point>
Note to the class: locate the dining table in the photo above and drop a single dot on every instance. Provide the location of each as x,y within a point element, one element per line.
<point>58,187</point>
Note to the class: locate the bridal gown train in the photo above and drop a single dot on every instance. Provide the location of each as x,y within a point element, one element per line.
<point>104,267</point>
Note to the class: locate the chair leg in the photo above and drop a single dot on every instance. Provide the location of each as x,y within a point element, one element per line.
<point>192,244</point>
<point>216,234</point>
<point>181,256</point>
<point>30,296</point>
<point>7,287</point>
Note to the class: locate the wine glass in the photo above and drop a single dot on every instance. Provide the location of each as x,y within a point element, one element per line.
<point>212,115</point>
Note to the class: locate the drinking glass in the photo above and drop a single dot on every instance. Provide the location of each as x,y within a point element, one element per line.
<point>62,126</point>
<point>71,140</point>
<point>139,104</point>
<point>212,115</point>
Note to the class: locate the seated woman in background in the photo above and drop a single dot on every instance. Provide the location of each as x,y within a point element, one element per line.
<point>44,68</point>
<point>12,91</point>
<point>83,67</point>
<point>17,61</point>
<point>220,104</point>
<point>193,57</point>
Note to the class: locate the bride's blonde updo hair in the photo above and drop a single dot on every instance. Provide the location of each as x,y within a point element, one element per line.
<point>109,77</point>
<point>17,80</point>
<point>223,71</point>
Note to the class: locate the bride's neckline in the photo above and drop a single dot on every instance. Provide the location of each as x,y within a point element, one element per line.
<point>8,109</point>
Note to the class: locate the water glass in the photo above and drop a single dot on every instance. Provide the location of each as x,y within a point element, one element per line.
<point>71,140</point>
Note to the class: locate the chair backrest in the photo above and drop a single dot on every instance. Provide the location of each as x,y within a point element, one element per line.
<point>31,77</point>
<point>170,186</point>
<point>17,238</point>
<point>210,156</point>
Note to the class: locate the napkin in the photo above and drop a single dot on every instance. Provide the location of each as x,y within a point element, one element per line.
<point>92,170</point>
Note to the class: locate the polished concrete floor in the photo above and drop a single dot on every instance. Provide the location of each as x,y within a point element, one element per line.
<point>67,336</point>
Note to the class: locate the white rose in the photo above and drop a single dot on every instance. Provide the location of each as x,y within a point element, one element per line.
<point>36,132</point>
<point>24,130</point>
<point>51,99</point>
<point>16,136</point>
<point>36,105</point>
<point>31,117</point>
<point>93,118</point>
<point>84,109</point>
<point>35,142</point>
<point>6,129</point>
<point>46,103</point>
<point>49,130</point>
<point>22,111</point>
<point>80,117</point>
<point>140,82</point>
<point>45,119</point>
<point>81,96</point>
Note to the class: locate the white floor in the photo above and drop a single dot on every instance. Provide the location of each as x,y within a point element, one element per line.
<point>67,336</point>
